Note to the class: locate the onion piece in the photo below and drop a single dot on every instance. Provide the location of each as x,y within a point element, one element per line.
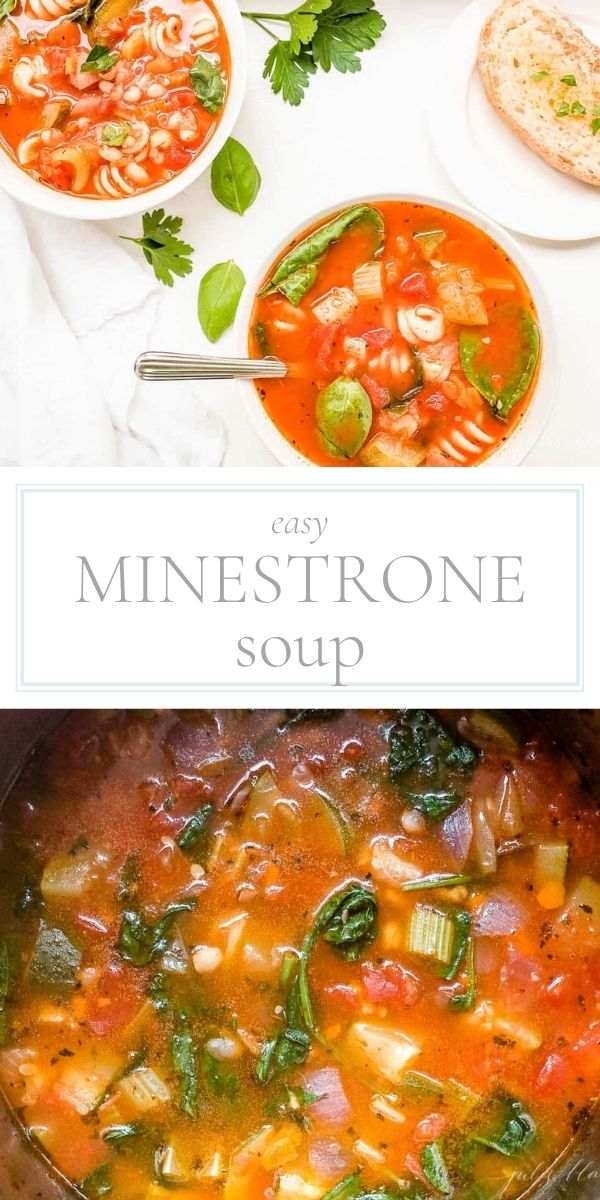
<point>499,916</point>
<point>457,832</point>
<point>484,842</point>
<point>328,1158</point>
<point>333,1108</point>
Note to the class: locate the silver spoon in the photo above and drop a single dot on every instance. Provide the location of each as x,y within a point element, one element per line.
<point>162,366</point>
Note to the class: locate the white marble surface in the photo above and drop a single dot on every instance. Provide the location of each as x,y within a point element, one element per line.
<point>363,134</point>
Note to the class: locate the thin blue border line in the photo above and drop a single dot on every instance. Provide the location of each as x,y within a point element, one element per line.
<point>576,489</point>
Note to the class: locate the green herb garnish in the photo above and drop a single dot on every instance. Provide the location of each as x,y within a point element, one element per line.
<point>435,1168</point>
<point>578,109</point>
<point>596,120</point>
<point>100,59</point>
<point>322,34</point>
<point>538,75</point>
<point>563,109</point>
<point>167,254</point>
<point>570,80</point>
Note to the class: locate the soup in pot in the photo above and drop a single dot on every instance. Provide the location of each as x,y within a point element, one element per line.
<point>300,955</point>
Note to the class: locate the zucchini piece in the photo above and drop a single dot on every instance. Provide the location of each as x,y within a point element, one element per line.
<point>55,961</point>
<point>477,360</point>
<point>429,241</point>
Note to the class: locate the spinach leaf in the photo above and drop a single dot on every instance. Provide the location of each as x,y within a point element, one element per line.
<point>55,960</point>
<point>4,982</point>
<point>194,835</point>
<point>99,1183</point>
<point>291,1102</point>
<point>218,298</point>
<point>435,1168</point>
<point>116,1134</point>
<point>6,7</point>
<point>183,1054</point>
<point>430,766</point>
<point>347,921</point>
<point>100,59</point>
<point>208,83</point>
<point>311,249</point>
<point>221,1079</point>
<point>462,927</point>
<point>344,416</point>
<point>130,878</point>
<point>516,1132</point>
<point>477,360</point>
<point>348,1187</point>
<point>286,1049</point>
<point>139,941</point>
<point>234,177</point>
<point>158,993</point>
<point>465,1000</point>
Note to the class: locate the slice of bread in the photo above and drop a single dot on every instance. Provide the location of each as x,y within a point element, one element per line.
<point>525,54</point>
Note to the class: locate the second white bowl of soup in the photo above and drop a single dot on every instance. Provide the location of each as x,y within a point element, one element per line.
<point>109,109</point>
<point>415,331</point>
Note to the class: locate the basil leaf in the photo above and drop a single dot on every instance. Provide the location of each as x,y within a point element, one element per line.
<point>295,287</point>
<point>477,359</point>
<point>100,59</point>
<point>218,298</point>
<point>194,835</point>
<point>114,133</point>
<point>139,941</point>
<point>184,1061</point>
<point>208,83</point>
<point>314,246</point>
<point>234,177</point>
<point>6,7</point>
<point>430,766</point>
<point>4,981</point>
<point>344,416</point>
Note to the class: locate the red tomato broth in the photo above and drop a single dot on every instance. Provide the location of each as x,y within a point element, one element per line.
<point>106,787</point>
<point>430,430</point>
<point>146,95</point>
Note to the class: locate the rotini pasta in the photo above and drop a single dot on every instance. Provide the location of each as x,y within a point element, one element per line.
<point>50,10</point>
<point>127,124</point>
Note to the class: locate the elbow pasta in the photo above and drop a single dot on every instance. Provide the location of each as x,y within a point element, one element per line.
<point>113,133</point>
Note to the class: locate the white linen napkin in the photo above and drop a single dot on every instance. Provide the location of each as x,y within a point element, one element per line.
<point>78,310</point>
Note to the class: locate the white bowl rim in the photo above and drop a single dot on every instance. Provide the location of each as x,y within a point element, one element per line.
<point>523,437</point>
<point>29,191</point>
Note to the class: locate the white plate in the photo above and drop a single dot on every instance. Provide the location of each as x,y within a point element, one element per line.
<point>486,160</point>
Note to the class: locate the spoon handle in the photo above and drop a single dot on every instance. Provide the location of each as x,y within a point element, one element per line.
<point>161,365</point>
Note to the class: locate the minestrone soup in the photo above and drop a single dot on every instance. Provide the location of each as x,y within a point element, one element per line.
<point>300,956</point>
<point>411,340</point>
<point>110,98</point>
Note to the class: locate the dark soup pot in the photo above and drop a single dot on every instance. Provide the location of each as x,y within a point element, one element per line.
<point>27,1174</point>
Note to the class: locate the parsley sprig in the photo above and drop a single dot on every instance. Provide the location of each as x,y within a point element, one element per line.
<point>167,254</point>
<point>322,34</point>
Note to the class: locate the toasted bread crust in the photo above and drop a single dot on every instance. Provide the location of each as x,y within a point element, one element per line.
<point>519,41</point>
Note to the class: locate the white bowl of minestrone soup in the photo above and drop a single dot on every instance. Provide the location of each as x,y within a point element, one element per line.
<point>415,331</point>
<point>111,107</point>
